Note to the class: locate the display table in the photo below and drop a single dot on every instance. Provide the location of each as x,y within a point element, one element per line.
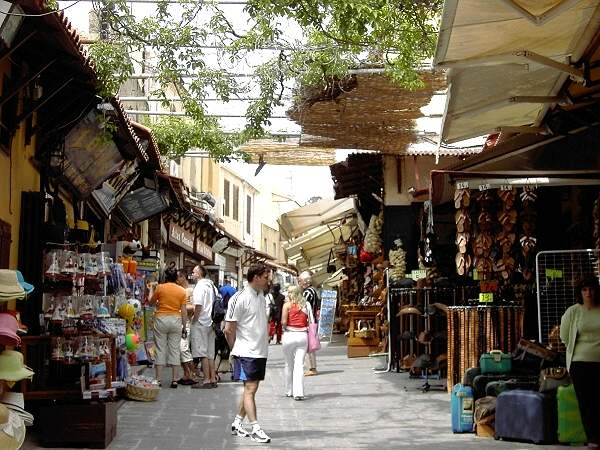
<point>361,342</point>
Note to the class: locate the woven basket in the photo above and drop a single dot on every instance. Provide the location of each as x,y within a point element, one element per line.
<point>141,394</point>
<point>365,334</point>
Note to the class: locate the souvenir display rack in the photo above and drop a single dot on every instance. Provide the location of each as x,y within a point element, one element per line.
<point>424,317</point>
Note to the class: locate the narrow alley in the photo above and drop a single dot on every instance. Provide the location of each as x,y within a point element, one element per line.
<point>347,407</point>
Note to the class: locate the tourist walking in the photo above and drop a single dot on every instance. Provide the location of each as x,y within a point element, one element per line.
<point>170,319</point>
<point>275,301</point>
<point>202,334</point>
<point>246,333</point>
<point>187,361</point>
<point>227,291</point>
<point>295,318</point>
<point>580,331</point>
<point>311,296</point>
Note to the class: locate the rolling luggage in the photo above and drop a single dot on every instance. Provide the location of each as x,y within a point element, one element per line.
<point>470,375</point>
<point>462,406</point>
<point>570,428</point>
<point>495,362</point>
<point>495,388</point>
<point>527,416</point>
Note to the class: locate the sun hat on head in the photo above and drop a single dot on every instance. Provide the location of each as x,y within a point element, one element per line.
<point>27,287</point>
<point>8,330</point>
<point>12,367</point>
<point>9,285</point>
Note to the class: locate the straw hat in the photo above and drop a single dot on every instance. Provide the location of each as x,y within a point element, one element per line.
<point>12,367</point>
<point>9,285</point>
<point>28,288</point>
<point>15,402</point>
<point>8,330</point>
<point>12,434</point>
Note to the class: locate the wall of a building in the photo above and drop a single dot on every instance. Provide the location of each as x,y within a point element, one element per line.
<point>414,174</point>
<point>18,175</point>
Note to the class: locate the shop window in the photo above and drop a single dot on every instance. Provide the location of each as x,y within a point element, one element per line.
<point>236,202</point>
<point>8,115</point>
<point>226,197</point>
<point>5,241</point>
<point>248,214</point>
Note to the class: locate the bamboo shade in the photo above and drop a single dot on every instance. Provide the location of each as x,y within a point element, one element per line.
<point>365,112</point>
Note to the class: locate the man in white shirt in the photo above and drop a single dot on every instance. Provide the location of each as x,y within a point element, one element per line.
<point>246,330</point>
<point>202,335</point>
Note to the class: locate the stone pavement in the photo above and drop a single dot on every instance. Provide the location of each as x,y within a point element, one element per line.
<point>348,406</point>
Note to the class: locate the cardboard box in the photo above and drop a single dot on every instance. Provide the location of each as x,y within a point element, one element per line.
<point>91,425</point>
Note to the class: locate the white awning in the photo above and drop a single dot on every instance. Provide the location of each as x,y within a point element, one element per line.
<point>323,212</point>
<point>336,278</point>
<point>508,60</point>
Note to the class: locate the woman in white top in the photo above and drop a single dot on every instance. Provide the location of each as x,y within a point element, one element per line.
<point>294,320</point>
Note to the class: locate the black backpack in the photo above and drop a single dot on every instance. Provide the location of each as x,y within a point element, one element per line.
<point>219,309</point>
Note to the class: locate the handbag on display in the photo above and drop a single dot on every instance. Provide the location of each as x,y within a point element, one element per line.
<point>553,377</point>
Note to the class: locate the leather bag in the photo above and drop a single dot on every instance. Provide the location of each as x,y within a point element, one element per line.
<point>553,377</point>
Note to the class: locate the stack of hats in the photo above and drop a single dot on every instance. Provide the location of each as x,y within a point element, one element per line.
<point>13,286</point>
<point>13,416</point>
<point>12,368</point>
<point>8,330</point>
<point>13,419</point>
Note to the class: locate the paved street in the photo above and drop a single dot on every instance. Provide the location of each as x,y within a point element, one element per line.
<point>347,407</point>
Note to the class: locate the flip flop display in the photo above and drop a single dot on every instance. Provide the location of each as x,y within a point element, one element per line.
<point>463,227</point>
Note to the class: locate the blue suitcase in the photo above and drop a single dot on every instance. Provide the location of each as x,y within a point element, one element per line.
<point>526,416</point>
<point>462,406</point>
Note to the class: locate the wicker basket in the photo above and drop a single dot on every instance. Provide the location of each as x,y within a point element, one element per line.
<point>141,394</point>
<point>365,334</point>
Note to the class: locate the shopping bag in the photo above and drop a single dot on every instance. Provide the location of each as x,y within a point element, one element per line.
<point>313,338</point>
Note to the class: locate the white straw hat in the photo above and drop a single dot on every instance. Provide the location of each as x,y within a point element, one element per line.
<point>10,287</point>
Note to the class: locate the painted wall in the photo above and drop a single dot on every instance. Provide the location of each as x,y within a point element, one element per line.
<point>414,173</point>
<point>18,175</point>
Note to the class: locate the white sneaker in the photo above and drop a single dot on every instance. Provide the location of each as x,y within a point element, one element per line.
<point>258,435</point>
<point>237,429</point>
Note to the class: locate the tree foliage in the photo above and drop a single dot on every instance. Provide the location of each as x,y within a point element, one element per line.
<point>336,36</point>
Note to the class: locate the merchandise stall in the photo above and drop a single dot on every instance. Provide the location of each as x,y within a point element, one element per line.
<point>14,418</point>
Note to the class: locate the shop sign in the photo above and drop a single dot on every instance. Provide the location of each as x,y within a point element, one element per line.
<point>327,315</point>
<point>554,273</point>
<point>183,238</point>
<point>486,297</point>
<point>488,286</point>
<point>204,250</point>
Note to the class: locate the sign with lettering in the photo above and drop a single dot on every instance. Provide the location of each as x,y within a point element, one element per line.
<point>204,250</point>
<point>179,236</point>
<point>488,286</point>
<point>462,185</point>
<point>554,273</point>
<point>327,315</point>
<point>417,275</point>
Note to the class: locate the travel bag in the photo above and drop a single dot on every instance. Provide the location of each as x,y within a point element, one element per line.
<point>570,427</point>
<point>526,416</point>
<point>495,388</point>
<point>462,407</point>
<point>470,375</point>
<point>495,362</point>
<point>480,382</point>
<point>484,416</point>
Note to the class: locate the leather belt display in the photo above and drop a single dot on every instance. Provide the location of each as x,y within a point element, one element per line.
<point>474,330</point>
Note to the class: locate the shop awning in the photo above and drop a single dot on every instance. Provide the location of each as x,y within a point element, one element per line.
<point>508,61</point>
<point>323,212</point>
<point>336,278</point>
<point>312,251</point>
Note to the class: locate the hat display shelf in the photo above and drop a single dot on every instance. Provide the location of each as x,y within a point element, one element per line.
<point>419,332</point>
<point>13,416</point>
